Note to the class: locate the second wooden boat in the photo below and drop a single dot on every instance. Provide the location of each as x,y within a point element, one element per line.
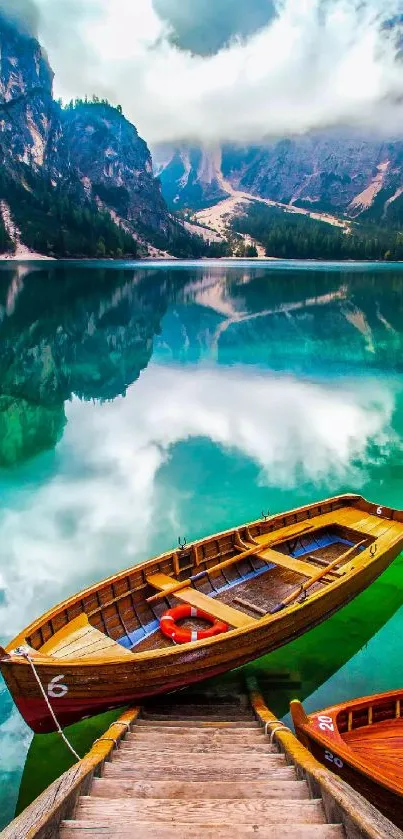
<point>362,741</point>
<point>260,585</point>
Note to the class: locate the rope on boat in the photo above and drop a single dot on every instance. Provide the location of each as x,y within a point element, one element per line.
<point>126,725</point>
<point>22,651</point>
<point>279,727</point>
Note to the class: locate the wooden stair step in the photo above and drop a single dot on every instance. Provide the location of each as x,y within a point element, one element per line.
<point>191,696</point>
<point>198,790</point>
<point>183,723</point>
<point>196,704</point>
<point>211,811</point>
<point>194,735</point>
<point>197,710</point>
<point>99,829</point>
<point>201,717</point>
<point>195,746</point>
<point>145,771</point>
<point>189,759</point>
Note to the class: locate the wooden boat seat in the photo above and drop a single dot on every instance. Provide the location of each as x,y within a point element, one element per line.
<point>214,607</point>
<point>291,564</point>
<point>78,639</point>
<point>305,569</point>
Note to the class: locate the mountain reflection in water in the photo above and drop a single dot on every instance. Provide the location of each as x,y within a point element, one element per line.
<point>140,403</point>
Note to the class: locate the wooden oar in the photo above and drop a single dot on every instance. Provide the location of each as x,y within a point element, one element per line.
<point>255,551</point>
<point>316,578</point>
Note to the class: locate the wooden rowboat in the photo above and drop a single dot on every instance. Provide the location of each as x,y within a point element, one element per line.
<point>362,741</point>
<point>269,581</point>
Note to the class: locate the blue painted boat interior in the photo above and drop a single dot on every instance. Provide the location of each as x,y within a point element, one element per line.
<point>323,540</point>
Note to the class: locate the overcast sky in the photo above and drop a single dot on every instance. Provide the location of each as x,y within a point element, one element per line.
<point>236,70</point>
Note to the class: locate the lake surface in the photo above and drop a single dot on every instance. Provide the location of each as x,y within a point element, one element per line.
<point>143,402</point>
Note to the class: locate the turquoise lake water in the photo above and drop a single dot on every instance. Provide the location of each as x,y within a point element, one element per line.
<point>143,402</point>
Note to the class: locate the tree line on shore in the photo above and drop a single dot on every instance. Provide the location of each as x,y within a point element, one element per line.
<point>294,236</point>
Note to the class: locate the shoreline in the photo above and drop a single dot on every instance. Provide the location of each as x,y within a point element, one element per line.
<point>31,256</point>
<point>202,261</point>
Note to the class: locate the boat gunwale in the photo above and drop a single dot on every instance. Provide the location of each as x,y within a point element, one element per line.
<point>175,651</point>
<point>347,752</point>
<point>166,555</point>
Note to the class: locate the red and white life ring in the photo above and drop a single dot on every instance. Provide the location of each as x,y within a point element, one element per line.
<point>182,635</point>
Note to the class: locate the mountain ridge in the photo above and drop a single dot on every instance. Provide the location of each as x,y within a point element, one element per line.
<point>347,176</point>
<point>75,181</point>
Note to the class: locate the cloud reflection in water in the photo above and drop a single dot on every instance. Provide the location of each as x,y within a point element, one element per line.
<point>96,514</point>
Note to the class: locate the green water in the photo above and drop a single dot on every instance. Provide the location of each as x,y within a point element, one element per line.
<point>140,403</point>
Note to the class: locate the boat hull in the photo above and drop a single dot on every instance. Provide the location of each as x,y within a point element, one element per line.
<point>385,800</point>
<point>360,740</point>
<point>94,688</point>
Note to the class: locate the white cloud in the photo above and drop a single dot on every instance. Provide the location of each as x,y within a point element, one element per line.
<point>102,509</point>
<point>319,63</point>
<point>15,738</point>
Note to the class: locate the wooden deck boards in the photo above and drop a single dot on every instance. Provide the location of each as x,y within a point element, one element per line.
<point>381,745</point>
<point>78,639</point>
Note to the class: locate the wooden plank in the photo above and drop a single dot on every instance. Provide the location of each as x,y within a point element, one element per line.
<point>205,724</point>
<point>305,569</point>
<point>220,811</point>
<point>214,607</point>
<point>98,829</point>
<point>252,606</point>
<point>195,598</point>
<point>198,790</point>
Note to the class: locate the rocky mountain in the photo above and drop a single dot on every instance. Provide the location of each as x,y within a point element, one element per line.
<point>30,119</point>
<point>113,164</point>
<point>346,175</point>
<point>87,153</point>
<point>189,176</point>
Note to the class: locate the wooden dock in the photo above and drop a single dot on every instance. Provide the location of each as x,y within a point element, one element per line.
<point>191,767</point>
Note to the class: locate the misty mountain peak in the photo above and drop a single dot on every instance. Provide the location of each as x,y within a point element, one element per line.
<point>24,65</point>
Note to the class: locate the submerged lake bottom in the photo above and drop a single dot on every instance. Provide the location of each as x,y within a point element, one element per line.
<point>142,403</point>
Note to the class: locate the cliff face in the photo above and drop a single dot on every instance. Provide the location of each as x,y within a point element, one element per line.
<point>341,174</point>
<point>89,153</point>
<point>113,164</point>
<point>190,177</point>
<point>28,115</point>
